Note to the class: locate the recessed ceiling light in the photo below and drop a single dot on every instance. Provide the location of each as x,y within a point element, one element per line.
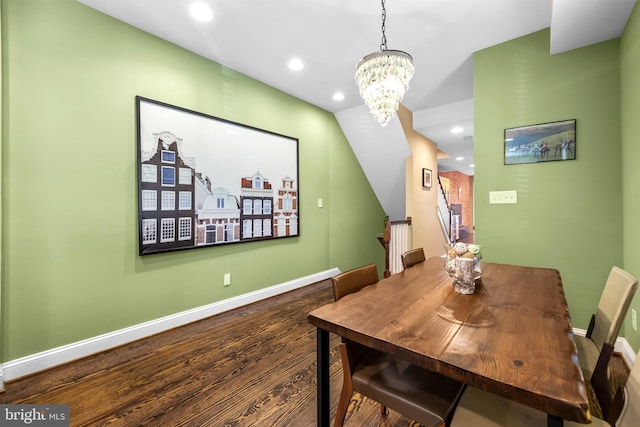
<point>201,11</point>
<point>472,165</point>
<point>457,129</point>
<point>460,158</point>
<point>338,96</point>
<point>296,65</point>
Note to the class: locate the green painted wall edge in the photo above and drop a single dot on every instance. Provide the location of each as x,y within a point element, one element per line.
<point>70,269</point>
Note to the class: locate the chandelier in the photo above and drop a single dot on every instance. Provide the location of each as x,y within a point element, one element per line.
<point>383,78</point>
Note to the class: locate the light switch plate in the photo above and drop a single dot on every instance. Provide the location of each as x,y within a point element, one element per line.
<point>503,197</point>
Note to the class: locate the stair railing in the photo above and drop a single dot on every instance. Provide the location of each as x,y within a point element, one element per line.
<point>444,214</point>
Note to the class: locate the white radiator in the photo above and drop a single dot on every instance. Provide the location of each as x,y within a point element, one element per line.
<point>400,242</point>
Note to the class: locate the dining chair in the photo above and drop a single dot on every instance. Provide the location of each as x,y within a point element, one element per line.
<point>412,257</point>
<point>479,408</point>
<point>424,396</point>
<point>606,322</point>
<point>610,404</point>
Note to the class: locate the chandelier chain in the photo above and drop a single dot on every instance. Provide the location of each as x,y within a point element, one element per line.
<point>383,45</point>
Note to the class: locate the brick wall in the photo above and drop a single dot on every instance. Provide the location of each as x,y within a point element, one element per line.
<point>461,192</point>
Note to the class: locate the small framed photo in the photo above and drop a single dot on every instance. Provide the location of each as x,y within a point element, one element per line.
<point>426,178</point>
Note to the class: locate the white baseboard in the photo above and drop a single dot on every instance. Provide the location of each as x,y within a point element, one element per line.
<point>56,356</point>
<point>622,346</point>
<point>47,359</point>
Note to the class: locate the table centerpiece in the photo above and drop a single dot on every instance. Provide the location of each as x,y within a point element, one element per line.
<point>462,264</point>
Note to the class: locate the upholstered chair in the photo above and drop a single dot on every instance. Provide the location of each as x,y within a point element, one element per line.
<point>606,322</point>
<point>412,257</point>
<point>424,396</point>
<point>479,408</point>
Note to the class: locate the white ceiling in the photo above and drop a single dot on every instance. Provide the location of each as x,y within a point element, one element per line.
<point>259,37</point>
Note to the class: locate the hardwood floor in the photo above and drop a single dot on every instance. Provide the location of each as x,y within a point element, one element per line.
<point>253,366</point>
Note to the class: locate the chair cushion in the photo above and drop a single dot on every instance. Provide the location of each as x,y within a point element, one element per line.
<point>588,353</point>
<point>424,396</point>
<point>479,408</point>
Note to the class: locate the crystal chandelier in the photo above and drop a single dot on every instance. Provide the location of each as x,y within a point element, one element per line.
<point>383,78</point>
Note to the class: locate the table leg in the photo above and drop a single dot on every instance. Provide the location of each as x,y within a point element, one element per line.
<point>324,409</point>
<point>554,421</point>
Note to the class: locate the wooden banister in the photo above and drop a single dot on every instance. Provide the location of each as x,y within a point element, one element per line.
<point>385,241</point>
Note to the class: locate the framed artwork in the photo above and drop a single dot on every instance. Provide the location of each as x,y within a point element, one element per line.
<point>205,181</point>
<point>544,142</point>
<point>426,178</point>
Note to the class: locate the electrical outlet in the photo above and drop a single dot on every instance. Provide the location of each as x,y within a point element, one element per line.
<point>634,320</point>
<point>227,279</point>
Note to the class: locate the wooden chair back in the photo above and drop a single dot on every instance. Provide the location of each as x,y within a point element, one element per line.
<point>412,257</point>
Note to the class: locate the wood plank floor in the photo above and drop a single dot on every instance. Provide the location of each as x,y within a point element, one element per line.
<point>253,366</point>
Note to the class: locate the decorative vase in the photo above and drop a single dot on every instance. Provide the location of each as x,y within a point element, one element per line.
<point>463,267</point>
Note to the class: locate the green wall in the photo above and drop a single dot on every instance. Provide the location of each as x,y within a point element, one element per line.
<point>630,101</point>
<point>569,214</point>
<point>70,268</point>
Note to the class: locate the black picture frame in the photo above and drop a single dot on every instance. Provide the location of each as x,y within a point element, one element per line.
<point>544,142</point>
<point>205,181</point>
<point>427,178</point>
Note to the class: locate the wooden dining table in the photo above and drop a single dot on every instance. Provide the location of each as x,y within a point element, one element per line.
<point>512,337</point>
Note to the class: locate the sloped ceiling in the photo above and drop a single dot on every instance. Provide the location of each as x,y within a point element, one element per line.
<point>259,38</point>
